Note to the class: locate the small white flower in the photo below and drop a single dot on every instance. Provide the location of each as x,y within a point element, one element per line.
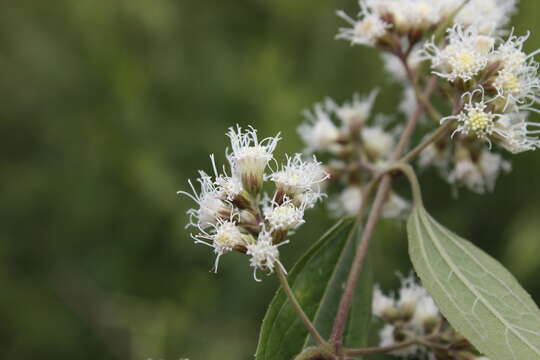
<point>462,58</point>
<point>467,173</point>
<point>387,336</point>
<point>377,142</point>
<point>356,111</point>
<point>510,53</point>
<point>284,217</point>
<point>382,306</point>
<point>410,295</point>
<point>420,14</point>
<point>211,206</point>
<point>394,66</point>
<point>347,203</point>
<point>319,132</point>
<point>249,156</point>
<point>367,30</point>
<point>425,314</point>
<point>491,165</point>
<point>395,206</point>
<point>223,238</point>
<point>517,80</point>
<point>475,119</point>
<point>264,254</point>
<point>227,186</point>
<point>298,177</point>
<point>486,15</point>
<point>517,137</point>
<point>436,156</point>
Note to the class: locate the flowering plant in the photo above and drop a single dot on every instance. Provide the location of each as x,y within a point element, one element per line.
<point>468,305</point>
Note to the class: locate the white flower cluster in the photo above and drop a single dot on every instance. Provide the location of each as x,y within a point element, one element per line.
<point>413,314</point>
<point>503,83</point>
<point>230,214</point>
<point>477,170</point>
<point>501,88</point>
<point>379,20</point>
<point>344,132</point>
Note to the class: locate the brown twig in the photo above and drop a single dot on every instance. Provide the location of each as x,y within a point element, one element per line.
<point>380,350</point>
<point>378,203</point>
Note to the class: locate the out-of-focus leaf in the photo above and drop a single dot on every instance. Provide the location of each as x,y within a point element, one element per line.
<point>479,297</point>
<point>317,281</point>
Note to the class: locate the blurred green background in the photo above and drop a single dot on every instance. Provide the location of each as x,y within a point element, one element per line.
<point>108,107</point>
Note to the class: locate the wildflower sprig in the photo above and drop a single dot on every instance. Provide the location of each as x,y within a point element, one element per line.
<point>234,214</point>
<point>457,51</point>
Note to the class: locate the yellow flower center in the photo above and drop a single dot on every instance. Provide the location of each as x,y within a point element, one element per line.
<point>228,236</point>
<point>465,60</point>
<point>510,83</point>
<point>478,120</point>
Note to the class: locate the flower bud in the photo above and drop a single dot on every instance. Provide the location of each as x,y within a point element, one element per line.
<point>249,157</point>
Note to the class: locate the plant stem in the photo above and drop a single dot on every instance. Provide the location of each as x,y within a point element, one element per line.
<point>378,203</point>
<point>424,99</point>
<point>361,251</point>
<point>380,350</point>
<point>409,173</point>
<point>296,306</point>
<point>433,137</point>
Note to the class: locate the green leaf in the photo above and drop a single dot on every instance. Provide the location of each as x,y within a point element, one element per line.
<point>477,295</point>
<point>317,280</point>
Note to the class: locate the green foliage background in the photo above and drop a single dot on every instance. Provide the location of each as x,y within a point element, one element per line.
<point>108,107</point>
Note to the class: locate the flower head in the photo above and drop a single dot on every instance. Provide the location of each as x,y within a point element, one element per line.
<point>367,30</point>
<point>517,134</point>
<point>516,80</point>
<point>486,15</point>
<point>298,177</point>
<point>410,295</point>
<point>426,314</point>
<point>477,172</point>
<point>389,335</point>
<point>377,142</point>
<point>284,216</point>
<point>383,306</point>
<point>319,132</point>
<point>355,112</point>
<point>264,254</point>
<point>209,199</point>
<point>249,156</point>
<point>223,238</point>
<point>234,214</point>
<point>476,118</point>
<point>465,55</point>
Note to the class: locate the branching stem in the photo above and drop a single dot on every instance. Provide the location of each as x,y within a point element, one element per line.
<point>433,137</point>
<point>376,210</point>
<point>382,349</point>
